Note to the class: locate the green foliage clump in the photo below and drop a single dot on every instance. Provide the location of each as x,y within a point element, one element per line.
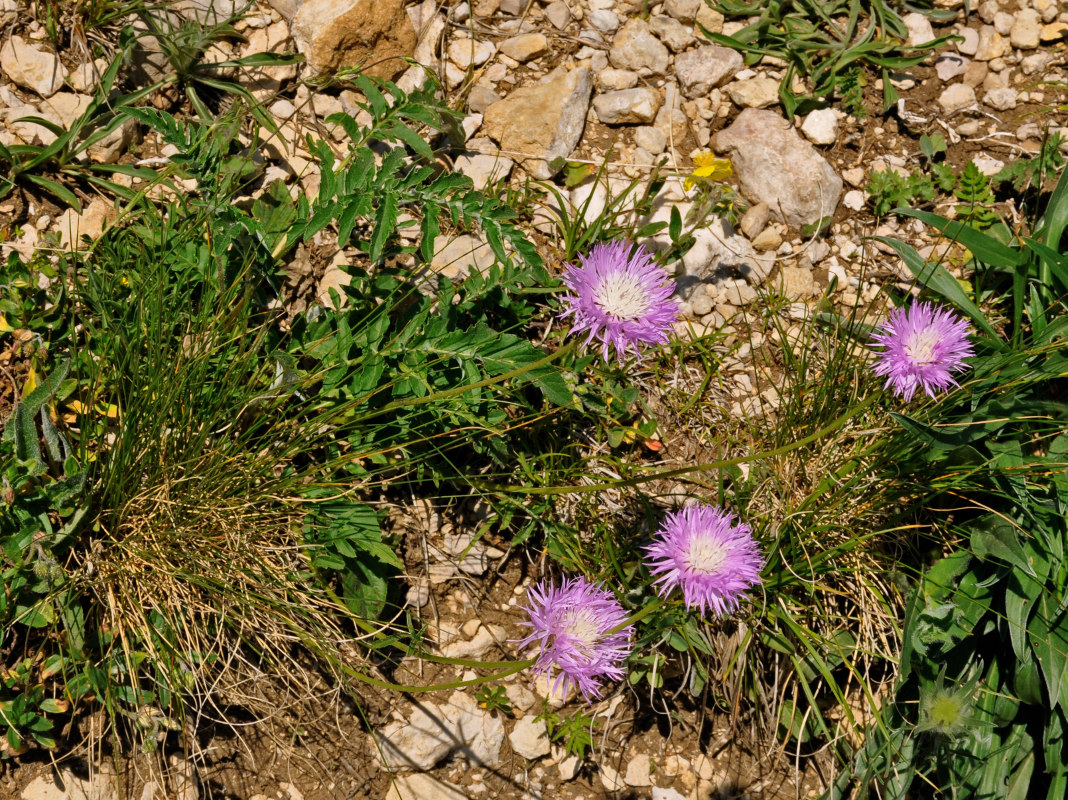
<point>187,444</point>
<point>979,703</point>
<point>889,189</point>
<point>828,43</point>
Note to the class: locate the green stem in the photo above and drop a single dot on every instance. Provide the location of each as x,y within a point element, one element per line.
<point>638,616</point>
<point>673,473</point>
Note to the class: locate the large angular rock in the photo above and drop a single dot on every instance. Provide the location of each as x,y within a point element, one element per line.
<point>776,166</point>
<point>374,34</point>
<point>537,124</point>
<point>31,66</point>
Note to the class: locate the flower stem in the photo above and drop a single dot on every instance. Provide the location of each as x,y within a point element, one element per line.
<point>674,473</point>
<point>637,616</point>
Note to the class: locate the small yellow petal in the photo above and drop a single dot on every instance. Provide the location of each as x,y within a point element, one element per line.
<point>31,383</point>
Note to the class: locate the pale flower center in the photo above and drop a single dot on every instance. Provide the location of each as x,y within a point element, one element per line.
<point>582,626</point>
<point>921,345</point>
<point>621,296</point>
<point>705,555</point>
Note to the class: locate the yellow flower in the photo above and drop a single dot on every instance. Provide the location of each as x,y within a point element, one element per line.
<point>708,167</point>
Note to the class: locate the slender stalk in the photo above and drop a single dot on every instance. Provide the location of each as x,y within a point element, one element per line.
<point>637,616</point>
<point>673,473</point>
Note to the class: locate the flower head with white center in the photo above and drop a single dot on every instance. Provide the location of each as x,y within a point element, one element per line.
<point>573,626</point>
<point>922,346</point>
<point>620,297</point>
<point>700,550</point>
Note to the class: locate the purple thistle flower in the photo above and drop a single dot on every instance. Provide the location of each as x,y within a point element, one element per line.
<point>702,551</point>
<point>571,625</point>
<point>620,297</point>
<point>923,344</point>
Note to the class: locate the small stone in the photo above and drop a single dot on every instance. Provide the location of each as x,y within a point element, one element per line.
<point>683,10</point>
<point>461,256</point>
<point>525,46</point>
<point>970,41</point>
<point>767,239</point>
<point>920,30</point>
<point>650,139</point>
<point>338,33</point>
<point>111,147</point>
<point>544,120</point>
<point>854,176</point>
<point>558,14</point>
<point>703,765</point>
<point>419,786</point>
<point>636,48</point>
<point>91,222</point>
<point>774,165</point>
<point>797,283</point>
<point>956,98</point>
<point>671,32</point>
<point>610,778</point>
<point>530,738</point>
<point>1003,23</point>
<point>614,80</point>
<point>638,770</point>
<point>700,304</point>
<point>466,53</point>
<point>520,696</point>
<point>43,788</point>
<point>86,77</point>
<point>1054,32</point>
<point>569,767</point>
<point>667,794</point>
<point>988,165</point>
<point>755,220</point>
<point>991,44</point>
<point>754,93</point>
<point>853,200</point>
<point>975,74</point>
<point>701,70</point>
<point>1026,33</point>
<point>418,593</point>
<point>821,126</point>
<point>480,98</point>
<point>543,689</point>
<point>65,108</point>
<point>627,106</point>
<point>481,642</point>
<point>950,65</point>
<point>710,19</point>
<point>603,20</point>
<point>32,67</point>
<point>1001,99</point>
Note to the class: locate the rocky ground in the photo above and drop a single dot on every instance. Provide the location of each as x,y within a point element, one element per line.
<point>595,81</point>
